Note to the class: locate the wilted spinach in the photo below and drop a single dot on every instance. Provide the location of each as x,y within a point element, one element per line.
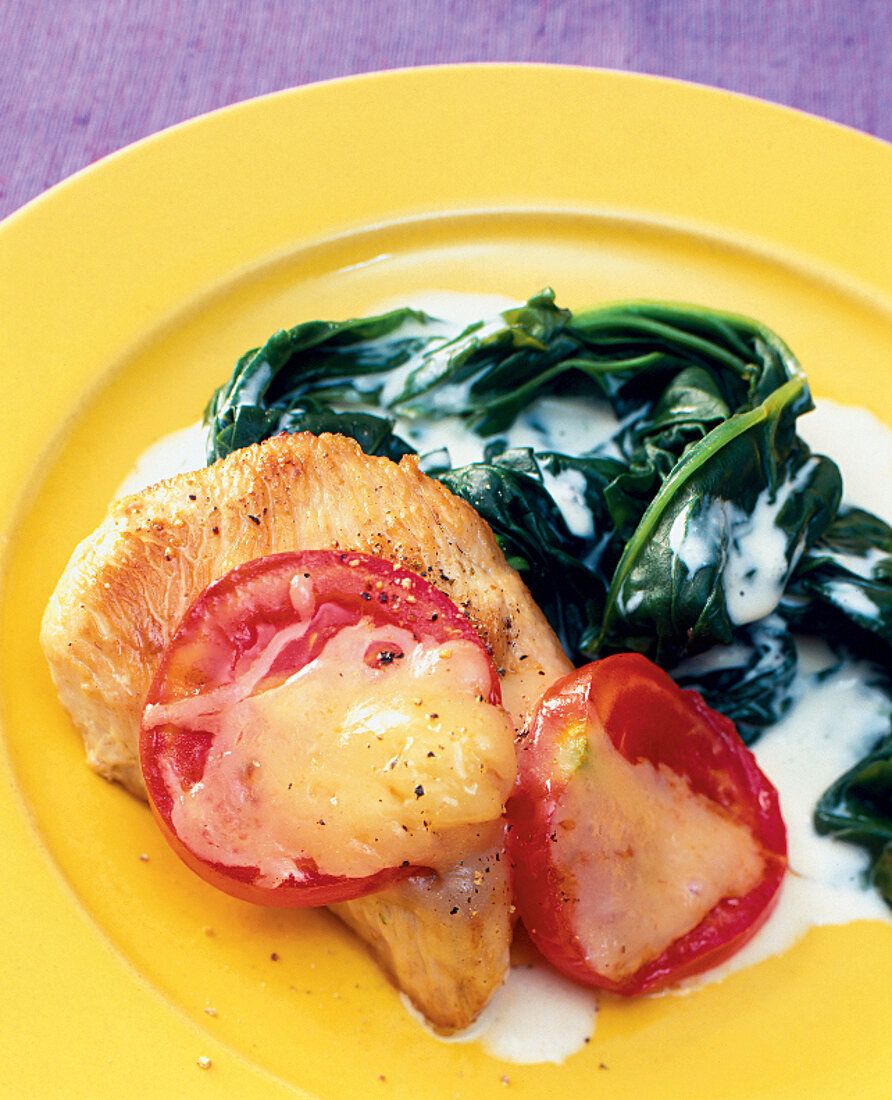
<point>705,462</point>
<point>842,587</point>
<point>858,808</point>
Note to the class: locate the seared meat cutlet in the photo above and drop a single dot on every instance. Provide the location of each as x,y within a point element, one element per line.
<point>128,585</point>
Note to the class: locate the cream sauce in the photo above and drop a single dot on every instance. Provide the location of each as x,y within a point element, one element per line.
<point>802,755</point>
<point>538,1016</point>
<point>179,452</point>
<point>861,445</point>
<point>752,545</point>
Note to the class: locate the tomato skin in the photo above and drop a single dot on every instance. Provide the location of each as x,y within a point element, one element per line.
<point>646,716</point>
<point>315,889</point>
<point>218,634</point>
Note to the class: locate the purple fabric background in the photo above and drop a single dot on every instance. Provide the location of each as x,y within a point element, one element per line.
<point>82,78</point>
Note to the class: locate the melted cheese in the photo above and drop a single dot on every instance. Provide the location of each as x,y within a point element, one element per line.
<point>354,767</point>
<point>649,863</point>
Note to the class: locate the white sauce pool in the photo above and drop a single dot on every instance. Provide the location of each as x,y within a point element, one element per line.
<point>538,1016</point>
<point>176,453</point>
<point>802,755</point>
<point>861,445</point>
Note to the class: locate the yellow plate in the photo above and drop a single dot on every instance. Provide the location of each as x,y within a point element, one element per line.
<point>131,289</point>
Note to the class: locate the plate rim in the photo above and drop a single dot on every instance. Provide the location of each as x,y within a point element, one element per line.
<point>137,150</point>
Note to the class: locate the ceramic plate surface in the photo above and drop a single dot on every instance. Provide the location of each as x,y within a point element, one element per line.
<point>131,290</point>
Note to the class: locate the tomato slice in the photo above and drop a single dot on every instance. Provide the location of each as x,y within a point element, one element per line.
<point>646,844</point>
<point>322,724</point>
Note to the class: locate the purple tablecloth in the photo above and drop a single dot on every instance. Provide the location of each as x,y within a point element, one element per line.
<point>82,78</point>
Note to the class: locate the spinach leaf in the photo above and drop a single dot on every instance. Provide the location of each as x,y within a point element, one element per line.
<point>696,565</point>
<point>858,808</point>
<point>490,372</point>
<point>293,370</point>
<point>374,434</point>
<point>842,588</point>
<point>509,494</point>
<point>750,680</point>
<point>640,342</point>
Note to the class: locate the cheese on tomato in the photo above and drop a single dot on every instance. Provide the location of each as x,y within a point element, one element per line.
<point>655,857</point>
<point>358,765</point>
